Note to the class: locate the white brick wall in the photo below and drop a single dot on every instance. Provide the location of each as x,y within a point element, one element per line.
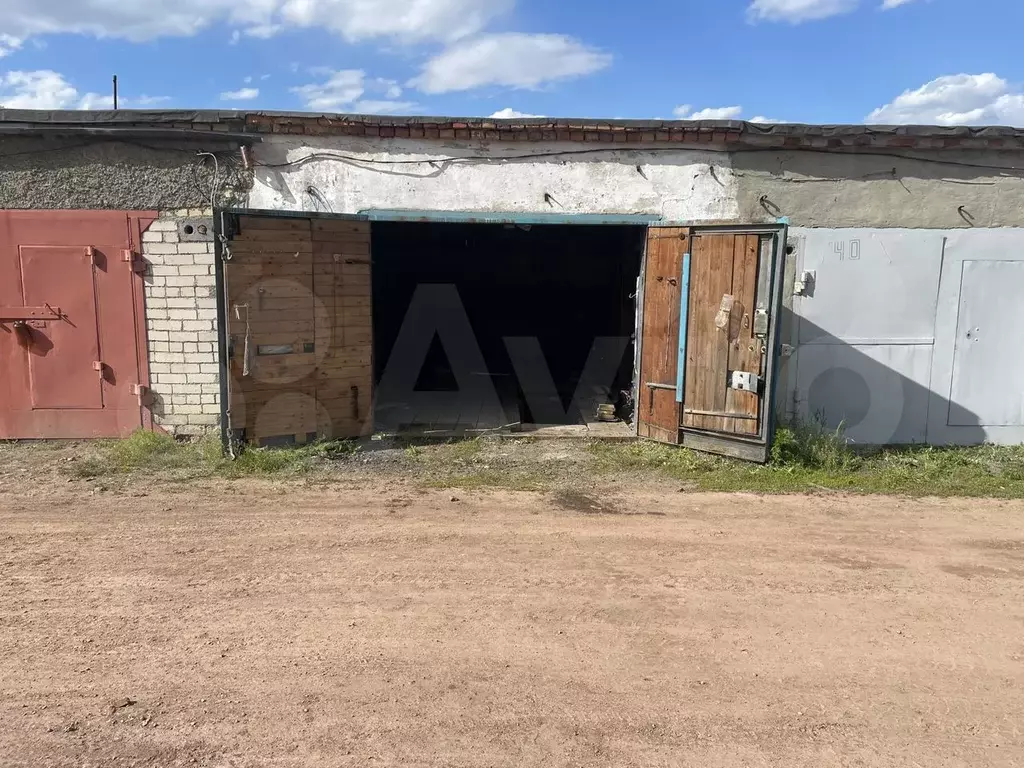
<point>181,321</point>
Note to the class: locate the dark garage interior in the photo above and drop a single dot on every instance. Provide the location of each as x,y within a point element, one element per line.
<point>562,285</point>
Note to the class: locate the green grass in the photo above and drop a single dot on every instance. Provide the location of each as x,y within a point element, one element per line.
<point>803,460</point>
<point>157,452</point>
<point>813,460</point>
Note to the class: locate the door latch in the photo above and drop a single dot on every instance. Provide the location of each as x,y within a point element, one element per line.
<point>745,381</point>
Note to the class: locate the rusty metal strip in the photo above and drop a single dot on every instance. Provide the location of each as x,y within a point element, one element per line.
<point>30,313</point>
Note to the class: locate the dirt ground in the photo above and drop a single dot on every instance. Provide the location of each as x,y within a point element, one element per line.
<point>258,623</point>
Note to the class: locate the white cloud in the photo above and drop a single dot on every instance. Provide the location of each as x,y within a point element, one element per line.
<point>336,94</point>
<point>685,112</point>
<point>343,91</point>
<point>8,44</point>
<point>46,89</point>
<point>42,89</point>
<point>98,101</point>
<point>509,59</point>
<point>149,101</point>
<point>242,94</point>
<point>796,11</point>
<point>510,114</point>
<point>383,107</point>
<point>410,20</point>
<point>956,100</point>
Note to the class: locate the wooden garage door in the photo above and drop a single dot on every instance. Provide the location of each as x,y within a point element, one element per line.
<point>657,405</point>
<point>299,325</point>
<point>73,360</point>
<point>721,334</point>
<point>709,347</point>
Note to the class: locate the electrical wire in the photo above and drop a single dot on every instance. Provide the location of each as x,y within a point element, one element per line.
<point>215,187</point>
<point>540,155</point>
<point>470,159</point>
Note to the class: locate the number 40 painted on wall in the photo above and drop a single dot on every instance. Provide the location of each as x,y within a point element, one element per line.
<point>842,249</point>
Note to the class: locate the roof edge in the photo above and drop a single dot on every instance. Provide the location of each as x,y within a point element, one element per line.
<point>728,132</point>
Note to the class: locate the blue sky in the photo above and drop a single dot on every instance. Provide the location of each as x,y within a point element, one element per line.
<point>927,61</point>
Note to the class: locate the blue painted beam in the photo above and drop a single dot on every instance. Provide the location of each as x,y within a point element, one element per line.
<point>502,217</point>
<point>684,312</point>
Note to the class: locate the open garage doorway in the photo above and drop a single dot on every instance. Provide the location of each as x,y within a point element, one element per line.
<point>491,327</point>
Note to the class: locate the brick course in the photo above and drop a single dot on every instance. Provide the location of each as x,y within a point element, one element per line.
<point>181,317</point>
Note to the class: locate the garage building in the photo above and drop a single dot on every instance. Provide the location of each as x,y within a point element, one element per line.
<point>288,277</point>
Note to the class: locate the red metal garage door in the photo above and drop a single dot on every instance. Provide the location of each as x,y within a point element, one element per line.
<point>73,358</point>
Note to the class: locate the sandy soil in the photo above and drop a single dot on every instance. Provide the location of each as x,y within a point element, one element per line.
<point>260,624</point>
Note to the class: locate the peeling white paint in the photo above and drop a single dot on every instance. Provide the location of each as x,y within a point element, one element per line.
<point>678,185</point>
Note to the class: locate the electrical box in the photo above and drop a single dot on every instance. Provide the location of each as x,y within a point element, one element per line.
<point>745,381</point>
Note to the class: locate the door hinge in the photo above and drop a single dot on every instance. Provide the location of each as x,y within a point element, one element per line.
<point>90,252</point>
<point>139,390</point>
<point>136,261</point>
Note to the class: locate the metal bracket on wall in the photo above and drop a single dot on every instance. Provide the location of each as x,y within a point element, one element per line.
<point>804,284</point>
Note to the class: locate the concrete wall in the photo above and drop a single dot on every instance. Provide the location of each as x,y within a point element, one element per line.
<point>181,322</point>
<point>687,185</point>
<point>75,175</point>
<point>818,189</point>
<point>811,189</point>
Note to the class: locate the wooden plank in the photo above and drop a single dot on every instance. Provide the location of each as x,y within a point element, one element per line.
<point>332,226</point>
<point>243,248</point>
<point>696,343</point>
<point>254,273</point>
<point>329,240</point>
<point>708,345</point>
<point>272,224</point>
<point>744,348</point>
<point>657,409</point>
<point>282,316</point>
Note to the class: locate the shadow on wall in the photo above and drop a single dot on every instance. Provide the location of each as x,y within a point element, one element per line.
<point>861,389</point>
